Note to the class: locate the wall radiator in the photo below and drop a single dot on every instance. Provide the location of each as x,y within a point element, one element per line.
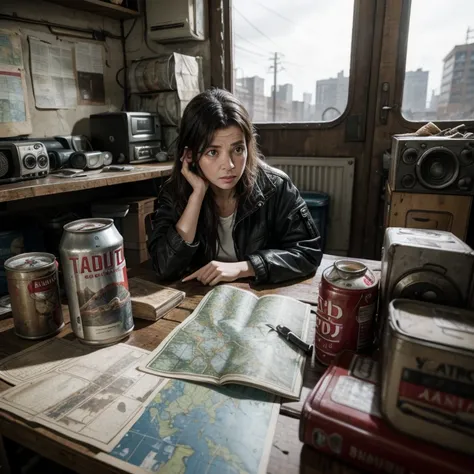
<point>334,176</point>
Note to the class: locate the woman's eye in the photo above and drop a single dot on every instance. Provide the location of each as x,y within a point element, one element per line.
<point>212,153</point>
<point>239,149</point>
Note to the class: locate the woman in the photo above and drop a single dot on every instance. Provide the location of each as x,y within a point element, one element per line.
<point>224,214</point>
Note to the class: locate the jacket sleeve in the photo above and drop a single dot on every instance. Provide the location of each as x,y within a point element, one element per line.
<point>298,253</point>
<point>170,254</point>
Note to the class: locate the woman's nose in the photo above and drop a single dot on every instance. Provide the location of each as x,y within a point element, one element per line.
<point>228,163</point>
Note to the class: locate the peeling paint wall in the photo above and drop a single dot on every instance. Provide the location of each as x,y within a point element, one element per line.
<point>66,121</point>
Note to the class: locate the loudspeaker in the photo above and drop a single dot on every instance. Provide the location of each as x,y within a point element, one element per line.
<point>87,160</point>
<point>432,165</point>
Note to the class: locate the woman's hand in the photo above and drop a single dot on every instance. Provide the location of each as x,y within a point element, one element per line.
<point>215,272</point>
<point>198,184</point>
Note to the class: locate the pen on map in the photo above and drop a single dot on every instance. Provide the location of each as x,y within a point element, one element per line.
<point>292,337</point>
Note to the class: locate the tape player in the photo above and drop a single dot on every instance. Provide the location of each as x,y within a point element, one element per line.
<point>22,160</point>
<point>131,137</point>
<point>435,165</point>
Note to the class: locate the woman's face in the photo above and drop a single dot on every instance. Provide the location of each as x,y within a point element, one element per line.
<point>223,161</point>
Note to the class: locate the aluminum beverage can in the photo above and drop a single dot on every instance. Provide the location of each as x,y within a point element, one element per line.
<point>34,293</point>
<point>347,304</point>
<point>95,277</point>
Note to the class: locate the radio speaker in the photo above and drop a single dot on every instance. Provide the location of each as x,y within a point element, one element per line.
<point>432,165</point>
<point>91,160</point>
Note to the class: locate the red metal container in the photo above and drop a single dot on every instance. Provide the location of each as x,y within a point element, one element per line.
<point>346,309</point>
<point>341,418</point>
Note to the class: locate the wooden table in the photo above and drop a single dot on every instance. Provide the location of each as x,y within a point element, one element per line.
<point>288,455</point>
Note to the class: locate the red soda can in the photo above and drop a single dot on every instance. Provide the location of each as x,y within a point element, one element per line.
<point>347,305</point>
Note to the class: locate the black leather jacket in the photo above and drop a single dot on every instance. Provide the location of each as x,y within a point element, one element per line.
<point>273,230</point>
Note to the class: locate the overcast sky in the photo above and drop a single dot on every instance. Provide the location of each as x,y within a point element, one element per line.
<point>314,37</point>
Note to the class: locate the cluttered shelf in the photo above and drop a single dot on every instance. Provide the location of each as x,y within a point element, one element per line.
<point>87,180</point>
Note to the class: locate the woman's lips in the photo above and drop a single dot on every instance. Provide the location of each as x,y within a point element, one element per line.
<point>227,179</point>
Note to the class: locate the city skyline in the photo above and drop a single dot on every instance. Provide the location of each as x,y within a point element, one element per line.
<point>315,39</point>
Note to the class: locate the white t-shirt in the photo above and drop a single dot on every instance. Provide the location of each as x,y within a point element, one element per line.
<point>226,251</point>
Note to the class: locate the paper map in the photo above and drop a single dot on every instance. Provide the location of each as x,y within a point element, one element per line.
<point>190,428</point>
<point>226,340</point>
<point>40,359</point>
<point>94,399</point>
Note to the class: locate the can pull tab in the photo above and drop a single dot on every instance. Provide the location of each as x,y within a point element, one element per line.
<point>349,269</point>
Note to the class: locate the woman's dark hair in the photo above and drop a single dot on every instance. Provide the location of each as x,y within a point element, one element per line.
<point>212,110</point>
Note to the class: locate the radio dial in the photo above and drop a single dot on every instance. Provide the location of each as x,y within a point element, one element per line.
<point>29,161</point>
<point>42,161</point>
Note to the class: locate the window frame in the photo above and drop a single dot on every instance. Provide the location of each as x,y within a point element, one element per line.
<point>355,53</point>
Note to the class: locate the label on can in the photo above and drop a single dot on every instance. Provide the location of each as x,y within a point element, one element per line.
<point>438,393</point>
<point>44,292</point>
<point>103,296</point>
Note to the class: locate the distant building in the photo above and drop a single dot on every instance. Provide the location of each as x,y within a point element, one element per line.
<point>456,100</point>
<point>415,90</point>
<point>331,94</point>
<point>285,93</point>
<point>251,91</point>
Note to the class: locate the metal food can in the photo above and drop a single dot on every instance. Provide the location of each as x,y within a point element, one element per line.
<point>428,372</point>
<point>34,293</point>
<point>95,277</point>
<point>347,304</point>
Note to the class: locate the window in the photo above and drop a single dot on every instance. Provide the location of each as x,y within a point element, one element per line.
<point>432,71</point>
<point>292,58</point>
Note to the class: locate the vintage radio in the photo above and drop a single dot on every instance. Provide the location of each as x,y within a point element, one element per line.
<point>428,388</point>
<point>435,165</point>
<point>22,160</point>
<point>90,160</point>
<point>341,418</point>
<point>131,137</point>
<point>425,265</point>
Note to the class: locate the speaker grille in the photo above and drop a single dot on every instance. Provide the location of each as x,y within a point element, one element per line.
<point>438,168</point>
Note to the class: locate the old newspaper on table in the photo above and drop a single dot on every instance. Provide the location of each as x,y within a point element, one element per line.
<point>40,359</point>
<point>94,399</point>
<point>226,340</point>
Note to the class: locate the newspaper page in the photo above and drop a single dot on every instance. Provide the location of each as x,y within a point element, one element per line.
<point>52,74</point>
<point>94,399</point>
<point>40,359</point>
<point>90,73</point>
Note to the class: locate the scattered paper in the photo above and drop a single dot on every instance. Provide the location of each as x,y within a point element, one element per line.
<point>52,73</point>
<point>40,359</point>
<point>12,97</point>
<point>90,73</point>
<point>94,399</point>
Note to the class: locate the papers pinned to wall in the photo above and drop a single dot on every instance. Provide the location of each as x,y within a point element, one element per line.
<point>90,73</point>
<point>52,73</point>
<point>14,112</point>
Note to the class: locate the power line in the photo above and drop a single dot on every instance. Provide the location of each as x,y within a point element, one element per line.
<point>255,28</point>
<point>275,13</point>
<point>249,42</point>
<point>250,52</point>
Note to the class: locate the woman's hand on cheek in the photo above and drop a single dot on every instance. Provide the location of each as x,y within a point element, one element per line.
<point>198,184</point>
<point>215,272</point>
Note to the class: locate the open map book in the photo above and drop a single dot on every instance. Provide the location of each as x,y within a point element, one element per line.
<point>226,340</point>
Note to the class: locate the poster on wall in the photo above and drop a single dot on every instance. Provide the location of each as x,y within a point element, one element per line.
<point>14,112</point>
<point>90,73</point>
<point>52,74</point>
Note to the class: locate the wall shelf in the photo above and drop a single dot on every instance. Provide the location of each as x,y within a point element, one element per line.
<point>101,8</point>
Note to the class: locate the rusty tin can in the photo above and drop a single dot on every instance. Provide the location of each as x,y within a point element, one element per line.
<point>347,304</point>
<point>95,276</point>
<point>428,372</point>
<point>34,293</point>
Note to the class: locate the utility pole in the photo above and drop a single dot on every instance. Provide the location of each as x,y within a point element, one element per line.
<point>469,34</point>
<point>276,69</point>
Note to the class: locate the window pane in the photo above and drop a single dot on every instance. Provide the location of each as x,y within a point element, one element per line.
<point>301,49</point>
<point>439,77</point>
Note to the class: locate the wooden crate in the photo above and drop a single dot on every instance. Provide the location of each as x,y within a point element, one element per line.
<point>428,211</point>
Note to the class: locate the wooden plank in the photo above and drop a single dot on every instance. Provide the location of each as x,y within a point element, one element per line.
<point>100,7</point>
<point>95,179</point>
